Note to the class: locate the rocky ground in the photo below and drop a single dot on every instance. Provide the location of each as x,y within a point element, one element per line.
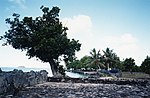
<point>83,90</point>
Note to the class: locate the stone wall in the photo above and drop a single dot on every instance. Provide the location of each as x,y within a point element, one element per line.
<point>13,81</point>
<point>118,81</point>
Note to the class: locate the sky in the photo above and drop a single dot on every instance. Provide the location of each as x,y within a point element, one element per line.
<point>121,25</point>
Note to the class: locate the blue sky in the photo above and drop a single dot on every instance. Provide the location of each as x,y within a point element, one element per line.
<point>121,25</point>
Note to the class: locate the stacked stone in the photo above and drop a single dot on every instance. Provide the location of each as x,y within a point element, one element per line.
<point>13,81</point>
<point>84,90</point>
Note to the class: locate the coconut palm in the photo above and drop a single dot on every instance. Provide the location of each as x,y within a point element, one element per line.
<point>109,58</point>
<point>96,59</point>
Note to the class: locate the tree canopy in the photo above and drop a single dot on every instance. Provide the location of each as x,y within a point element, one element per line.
<point>110,59</point>
<point>43,37</point>
<point>129,64</point>
<point>97,61</point>
<point>145,66</point>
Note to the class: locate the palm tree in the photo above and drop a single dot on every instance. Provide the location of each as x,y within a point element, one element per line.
<point>96,59</point>
<point>110,58</point>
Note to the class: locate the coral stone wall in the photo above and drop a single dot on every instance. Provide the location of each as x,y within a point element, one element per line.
<point>11,82</point>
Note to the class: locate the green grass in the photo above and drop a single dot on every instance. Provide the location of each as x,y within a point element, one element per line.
<point>135,75</point>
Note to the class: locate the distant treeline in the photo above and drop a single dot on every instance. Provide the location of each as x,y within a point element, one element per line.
<point>109,60</point>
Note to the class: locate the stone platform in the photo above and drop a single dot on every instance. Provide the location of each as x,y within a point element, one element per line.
<point>84,90</point>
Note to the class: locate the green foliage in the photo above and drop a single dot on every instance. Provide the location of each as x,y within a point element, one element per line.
<point>110,59</point>
<point>120,66</point>
<point>43,37</point>
<point>81,64</point>
<point>75,64</point>
<point>84,62</point>
<point>129,64</point>
<point>145,66</point>
<point>136,68</point>
<point>97,61</point>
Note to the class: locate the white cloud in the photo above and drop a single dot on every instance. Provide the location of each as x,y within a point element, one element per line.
<point>124,42</point>
<point>80,28</point>
<point>78,24</point>
<point>19,2</point>
<point>125,45</point>
<point>126,38</point>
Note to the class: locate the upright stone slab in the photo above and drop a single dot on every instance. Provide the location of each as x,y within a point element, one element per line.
<point>17,79</point>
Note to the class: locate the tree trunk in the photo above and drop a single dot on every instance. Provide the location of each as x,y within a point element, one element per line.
<point>53,67</point>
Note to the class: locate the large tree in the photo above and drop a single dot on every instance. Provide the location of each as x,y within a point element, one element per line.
<point>43,37</point>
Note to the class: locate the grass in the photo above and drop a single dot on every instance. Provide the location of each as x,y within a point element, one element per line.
<point>135,75</point>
